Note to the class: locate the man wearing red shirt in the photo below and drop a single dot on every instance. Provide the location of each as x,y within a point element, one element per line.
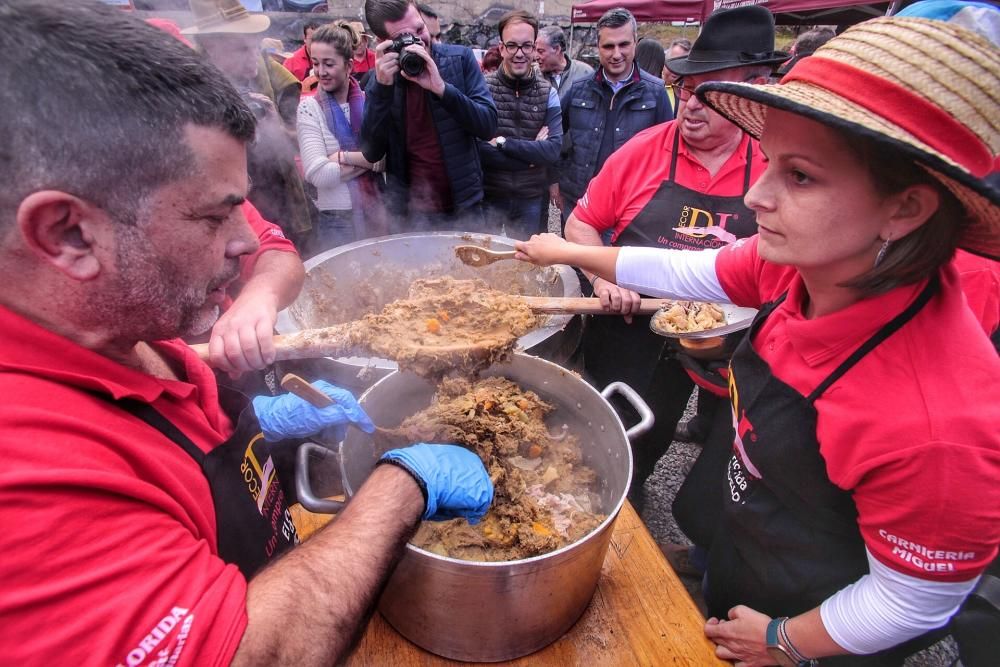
<point>364,58</point>
<point>675,185</point>
<point>300,63</point>
<point>144,506</point>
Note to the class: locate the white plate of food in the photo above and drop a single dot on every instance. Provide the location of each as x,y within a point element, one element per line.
<point>697,319</point>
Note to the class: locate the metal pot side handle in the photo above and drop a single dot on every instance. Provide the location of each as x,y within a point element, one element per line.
<point>630,395</point>
<point>307,498</point>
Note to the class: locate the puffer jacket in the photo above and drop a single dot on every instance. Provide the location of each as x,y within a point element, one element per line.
<point>643,103</point>
<point>522,106</point>
<point>464,112</point>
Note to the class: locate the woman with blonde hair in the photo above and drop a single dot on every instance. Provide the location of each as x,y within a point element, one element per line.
<point>328,127</point>
<point>861,497</point>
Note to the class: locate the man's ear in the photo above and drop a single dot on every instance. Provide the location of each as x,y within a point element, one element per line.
<point>62,229</point>
<point>911,208</point>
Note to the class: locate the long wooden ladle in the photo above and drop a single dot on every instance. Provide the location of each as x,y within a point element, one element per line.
<point>341,340</point>
<point>337,341</point>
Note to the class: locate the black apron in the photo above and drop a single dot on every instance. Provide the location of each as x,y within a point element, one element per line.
<point>788,538</point>
<point>614,350</point>
<point>252,519</point>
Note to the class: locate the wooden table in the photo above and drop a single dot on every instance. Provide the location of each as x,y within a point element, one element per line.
<point>641,614</point>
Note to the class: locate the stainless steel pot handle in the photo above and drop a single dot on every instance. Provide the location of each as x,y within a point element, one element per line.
<point>307,498</point>
<point>629,394</point>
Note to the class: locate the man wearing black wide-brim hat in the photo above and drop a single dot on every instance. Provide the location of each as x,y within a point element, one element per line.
<point>677,185</point>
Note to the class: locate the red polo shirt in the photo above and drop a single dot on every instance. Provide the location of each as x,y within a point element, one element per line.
<point>633,173</point>
<point>911,430</point>
<point>109,535</point>
<point>298,63</point>
<point>270,236</point>
<point>364,64</point>
<point>981,284</point>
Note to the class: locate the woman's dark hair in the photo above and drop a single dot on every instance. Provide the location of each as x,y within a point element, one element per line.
<point>919,254</point>
<point>339,35</point>
<point>491,59</point>
<point>649,56</point>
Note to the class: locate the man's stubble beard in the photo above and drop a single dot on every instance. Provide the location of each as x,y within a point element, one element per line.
<point>143,301</point>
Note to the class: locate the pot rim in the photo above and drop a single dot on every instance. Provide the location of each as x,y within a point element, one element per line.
<point>286,322</point>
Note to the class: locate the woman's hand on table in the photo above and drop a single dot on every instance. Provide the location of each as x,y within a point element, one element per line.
<point>742,638</point>
<point>543,250</point>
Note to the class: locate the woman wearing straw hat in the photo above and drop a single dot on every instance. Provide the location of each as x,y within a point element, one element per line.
<point>861,497</point>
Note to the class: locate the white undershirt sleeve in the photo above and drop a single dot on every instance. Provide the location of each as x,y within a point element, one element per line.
<point>680,274</point>
<point>886,607</point>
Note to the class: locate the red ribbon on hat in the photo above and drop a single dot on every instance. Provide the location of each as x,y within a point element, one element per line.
<point>926,121</point>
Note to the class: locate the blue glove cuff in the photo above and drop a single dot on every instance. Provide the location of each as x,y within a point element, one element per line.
<point>429,508</point>
<point>262,406</point>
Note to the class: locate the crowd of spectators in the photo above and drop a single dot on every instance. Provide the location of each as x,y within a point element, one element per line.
<point>481,142</point>
<point>350,145</point>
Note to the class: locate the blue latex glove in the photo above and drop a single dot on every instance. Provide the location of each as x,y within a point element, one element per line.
<point>455,480</point>
<point>288,416</point>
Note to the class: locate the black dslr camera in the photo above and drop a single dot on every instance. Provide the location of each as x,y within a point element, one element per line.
<point>411,63</point>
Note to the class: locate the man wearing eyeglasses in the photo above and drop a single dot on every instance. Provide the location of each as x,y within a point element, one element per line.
<point>677,185</point>
<point>529,133</point>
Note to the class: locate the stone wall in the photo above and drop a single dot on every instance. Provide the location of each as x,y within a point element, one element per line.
<point>473,22</point>
<point>469,22</point>
<point>490,11</point>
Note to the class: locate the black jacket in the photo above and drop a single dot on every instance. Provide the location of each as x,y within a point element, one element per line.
<point>642,103</point>
<point>464,112</point>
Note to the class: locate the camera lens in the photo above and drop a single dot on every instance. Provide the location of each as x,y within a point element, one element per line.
<point>411,63</point>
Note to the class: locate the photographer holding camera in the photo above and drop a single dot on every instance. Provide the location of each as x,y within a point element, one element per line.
<point>425,108</point>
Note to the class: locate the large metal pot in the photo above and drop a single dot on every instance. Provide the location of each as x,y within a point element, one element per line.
<point>347,282</point>
<point>496,611</point>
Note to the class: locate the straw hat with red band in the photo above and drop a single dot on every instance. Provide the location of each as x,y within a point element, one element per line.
<point>926,88</point>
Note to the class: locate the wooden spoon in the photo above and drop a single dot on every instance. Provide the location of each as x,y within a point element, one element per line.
<point>584,305</point>
<point>338,341</point>
<point>296,385</point>
<point>473,255</point>
<point>341,341</point>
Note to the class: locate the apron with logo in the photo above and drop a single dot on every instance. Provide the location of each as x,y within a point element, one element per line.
<point>788,538</point>
<point>614,350</point>
<point>252,519</point>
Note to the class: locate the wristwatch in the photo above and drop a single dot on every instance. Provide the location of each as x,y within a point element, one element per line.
<point>780,649</point>
<point>501,142</point>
